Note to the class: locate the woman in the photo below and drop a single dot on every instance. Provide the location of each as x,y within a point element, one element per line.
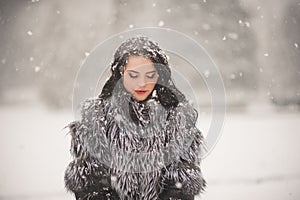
<point>137,139</point>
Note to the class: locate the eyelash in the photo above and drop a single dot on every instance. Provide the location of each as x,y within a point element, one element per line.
<point>135,76</point>
<point>132,76</point>
<point>152,76</point>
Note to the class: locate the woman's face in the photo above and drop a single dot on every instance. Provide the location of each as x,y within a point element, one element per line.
<point>140,77</point>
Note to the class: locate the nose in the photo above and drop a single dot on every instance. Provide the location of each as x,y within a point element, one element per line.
<point>142,82</point>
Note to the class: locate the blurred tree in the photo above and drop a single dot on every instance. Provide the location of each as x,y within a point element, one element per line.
<point>11,71</point>
<point>285,81</point>
<point>52,37</point>
<point>46,41</point>
<point>228,36</point>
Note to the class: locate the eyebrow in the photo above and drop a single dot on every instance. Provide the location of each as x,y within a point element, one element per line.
<point>139,72</point>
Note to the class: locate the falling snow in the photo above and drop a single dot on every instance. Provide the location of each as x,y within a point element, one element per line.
<point>178,185</point>
<point>161,23</point>
<point>113,178</point>
<point>260,13</point>
<point>232,76</point>
<point>206,73</point>
<point>246,23</point>
<point>37,69</point>
<point>233,36</point>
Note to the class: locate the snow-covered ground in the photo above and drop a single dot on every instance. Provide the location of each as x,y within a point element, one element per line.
<point>257,156</point>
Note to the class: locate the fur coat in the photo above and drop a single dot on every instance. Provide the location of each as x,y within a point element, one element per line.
<point>129,150</point>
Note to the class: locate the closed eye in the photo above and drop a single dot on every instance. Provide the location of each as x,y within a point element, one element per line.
<point>151,75</point>
<point>132,75</point>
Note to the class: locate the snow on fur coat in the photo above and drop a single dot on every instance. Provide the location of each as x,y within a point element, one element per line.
<point>124,149</point>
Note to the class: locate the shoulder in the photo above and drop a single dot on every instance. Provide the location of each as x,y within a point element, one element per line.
<point>94,107</point>
<point>184,110</point>
<point>93,111</point>
<point>94,103</point>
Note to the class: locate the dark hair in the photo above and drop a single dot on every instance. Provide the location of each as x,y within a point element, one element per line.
<point>167,94</point>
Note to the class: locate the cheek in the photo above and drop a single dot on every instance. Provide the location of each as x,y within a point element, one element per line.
<point>153,82</point>
<point>128,84</point>
<point>151,85</point>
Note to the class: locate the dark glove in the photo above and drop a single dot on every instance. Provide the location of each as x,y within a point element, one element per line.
<point>182,180</point>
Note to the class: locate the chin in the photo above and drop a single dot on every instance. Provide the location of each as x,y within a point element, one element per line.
<point>141,98</point>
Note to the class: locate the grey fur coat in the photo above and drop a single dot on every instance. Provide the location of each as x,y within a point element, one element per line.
<point>124,149</point>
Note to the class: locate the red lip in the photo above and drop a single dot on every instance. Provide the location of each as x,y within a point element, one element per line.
<point>140,91</point>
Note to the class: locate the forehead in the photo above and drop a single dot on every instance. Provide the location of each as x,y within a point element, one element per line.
<point>139,64</point>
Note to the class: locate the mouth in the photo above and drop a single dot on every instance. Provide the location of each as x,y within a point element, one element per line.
<point>140,91</point>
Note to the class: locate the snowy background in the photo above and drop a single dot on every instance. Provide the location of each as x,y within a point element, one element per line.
<point>255,43</point>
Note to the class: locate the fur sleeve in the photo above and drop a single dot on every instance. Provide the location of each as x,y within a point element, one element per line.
<point>85,174</point>
<point>183,175</point>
